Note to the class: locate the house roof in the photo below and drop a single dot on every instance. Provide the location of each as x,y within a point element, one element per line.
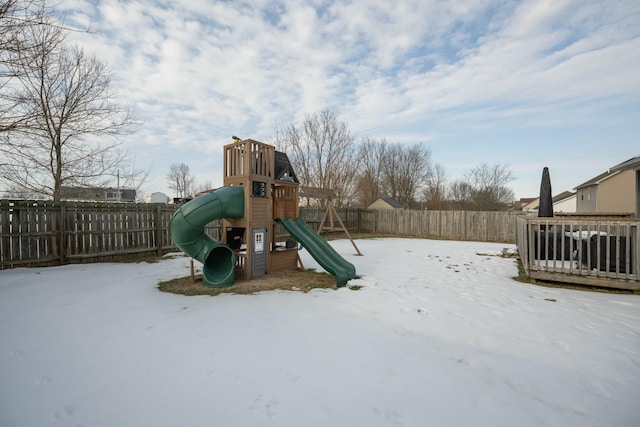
<point>283,169</point>
<point>526,200</point>
<point>390,201</point>
<point>557,198</point>
<point>529,203</point>
<point>633,163</point>
<point>563,196</point>
<point>97,193</point>
<point>598,179</point>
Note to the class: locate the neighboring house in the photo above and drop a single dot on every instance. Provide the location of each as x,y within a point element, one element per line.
<point>530,204</point>
<point>524,203</point>
<point>157,198</point>
<point>563,202</point>
<point>614,191</point>
<point>100,194</point>
<point>384,203</point>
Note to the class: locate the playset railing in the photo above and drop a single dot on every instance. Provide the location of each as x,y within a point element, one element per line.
<point>248,157</point>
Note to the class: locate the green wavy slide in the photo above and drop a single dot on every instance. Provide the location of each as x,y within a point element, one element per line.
<point>320,250</point>
<point>187,232</point>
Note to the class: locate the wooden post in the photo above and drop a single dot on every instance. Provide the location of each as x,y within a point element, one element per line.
<point>63,232</point>
<point>331,211</point>
<point>158,220</point>
<point>347,232</point>
<point>193,278</point>
<point>299,260</point>
<point>324,217</point>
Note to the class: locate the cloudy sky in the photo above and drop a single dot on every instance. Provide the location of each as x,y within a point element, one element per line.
<point>529,83</point>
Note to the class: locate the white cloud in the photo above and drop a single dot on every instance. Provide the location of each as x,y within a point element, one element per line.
<point>198,72</point>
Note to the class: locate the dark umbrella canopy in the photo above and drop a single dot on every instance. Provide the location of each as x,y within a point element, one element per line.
<point>545,207</point>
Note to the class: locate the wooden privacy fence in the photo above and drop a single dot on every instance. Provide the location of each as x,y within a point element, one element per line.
<point>450,225</point>
<point>47,233</point>
<point>360,220</point>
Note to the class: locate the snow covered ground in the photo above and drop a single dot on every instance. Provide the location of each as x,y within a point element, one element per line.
<point>439,335</point>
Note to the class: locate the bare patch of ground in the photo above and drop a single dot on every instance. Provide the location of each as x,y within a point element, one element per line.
<point>302,281</point>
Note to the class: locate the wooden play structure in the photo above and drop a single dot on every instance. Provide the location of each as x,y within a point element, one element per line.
<point>271,191</point>
<point>258,205</point>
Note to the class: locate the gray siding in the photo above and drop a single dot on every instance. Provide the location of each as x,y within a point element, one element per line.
<point>587,199</point>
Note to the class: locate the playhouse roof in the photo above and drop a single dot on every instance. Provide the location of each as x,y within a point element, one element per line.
<point>283,169</point>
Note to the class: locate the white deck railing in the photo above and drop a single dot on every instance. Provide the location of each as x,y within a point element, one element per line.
<point>581,250</point>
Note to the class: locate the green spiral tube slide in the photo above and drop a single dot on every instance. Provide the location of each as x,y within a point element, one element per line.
<point>187,232</point>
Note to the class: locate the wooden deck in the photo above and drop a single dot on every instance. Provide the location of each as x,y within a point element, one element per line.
<point>592,251</point>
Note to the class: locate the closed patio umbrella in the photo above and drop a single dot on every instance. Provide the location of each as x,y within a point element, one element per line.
<point>545,207</point>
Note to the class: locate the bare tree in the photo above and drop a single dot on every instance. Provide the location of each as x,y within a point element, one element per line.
<point>323,154</point>
<point>461,194</point>
<point>369,183</point>
<point>405,171</point>
<point>16,17</point>
<point>19,21</point>
<point>132,177</point>
<point>490,185</point>
<point>181,180</point>
<point>68,135</point>
<point>484,187</point>
<point>435,191</point>
<point>203,186</point>
<point>20,193</point>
